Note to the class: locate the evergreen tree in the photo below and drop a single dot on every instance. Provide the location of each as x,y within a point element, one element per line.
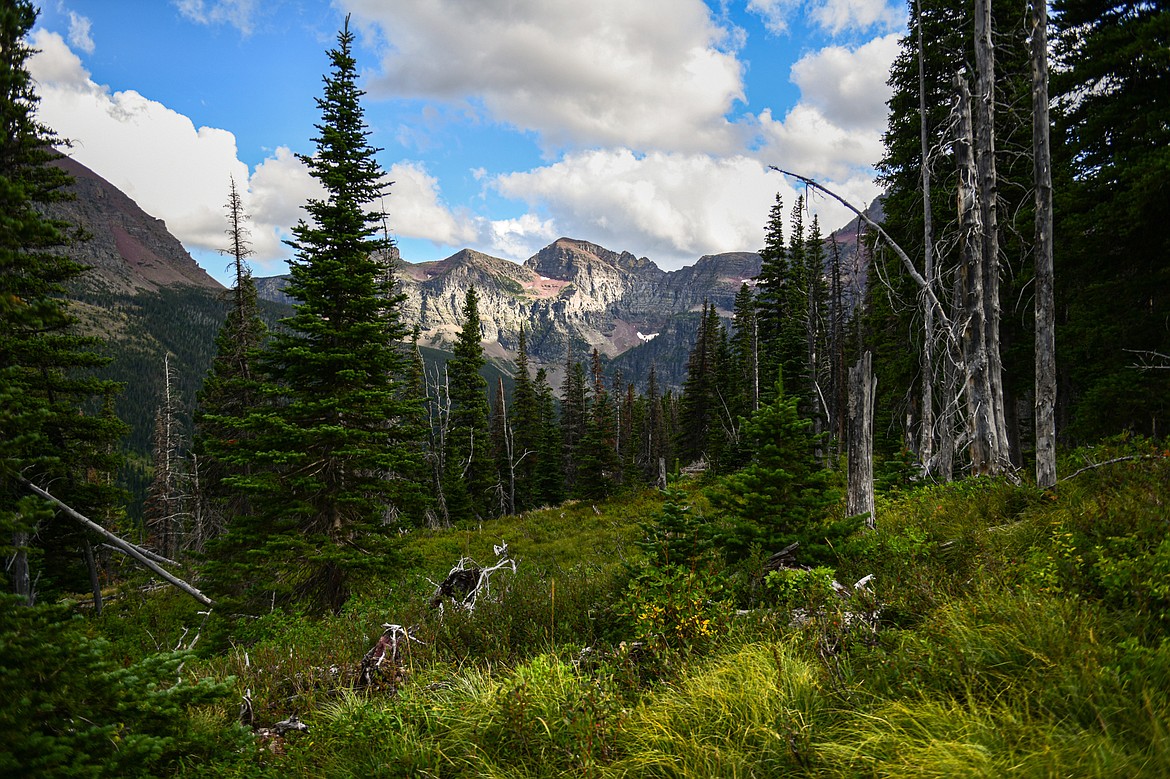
<point>549,476</point>
<point>1111,158</point>
<point>52,427</point>
<point>782,495</point>
<point>333,464</point>
<point>469,471</point>
<point>699,407</point>
<point>526,428</point>
<point>231,389</point>
<point>745,352</point>
<point>574,413</point>
<point>597,463</point>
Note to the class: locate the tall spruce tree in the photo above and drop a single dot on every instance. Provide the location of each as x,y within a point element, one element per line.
<point>333,466</point>
<point>469,471</point>
<point>597,463</point>
<point>549,476</point>
<point>526,428</point>
<point>53,431</point>
<point>1111,160</point>
<point>231,389</point>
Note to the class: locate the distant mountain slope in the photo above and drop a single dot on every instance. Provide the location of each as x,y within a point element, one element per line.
<point>127,250</point>
<point>571,294</point>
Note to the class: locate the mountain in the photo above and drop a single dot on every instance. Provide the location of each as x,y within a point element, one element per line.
<point>127,250</point>
<point>572,293</point>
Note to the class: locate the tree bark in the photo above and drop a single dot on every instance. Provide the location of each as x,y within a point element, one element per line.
<point>984,125</point>
<point>1045,411</point>
<point>21,577</point>
<point>862,388</point>
<point>94,582</point>
<point>134,551</point>
<point>926,435</point>
<point>984,445</point>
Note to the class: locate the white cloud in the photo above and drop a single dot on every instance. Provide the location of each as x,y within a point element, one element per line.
<point>672,208</point>
<point>80,36</point>
<point>238,13</point>
<point>416,210</point>
<point>835,130</point>
<point>652,74</point>
<point>180,173</point>
<point>848,86</point>
<point>833,16</point>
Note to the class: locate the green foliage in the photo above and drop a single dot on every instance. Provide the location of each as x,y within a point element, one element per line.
<point>57,428</point>
<point>73,710</point>
<point>332,461</point>
<point>782,495</point>
<point>676,612</point>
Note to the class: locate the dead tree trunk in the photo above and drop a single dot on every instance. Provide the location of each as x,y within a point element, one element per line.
<point>1045,316</point>
<point>926,435</point>
<point>984,126</point>
<point>94,581</point>
<point>862,388</point>
<point>984,445</point>
<point>21,577</point>
<point>143,556</point>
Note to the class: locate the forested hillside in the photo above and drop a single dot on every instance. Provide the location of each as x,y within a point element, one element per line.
<point>872,534</point>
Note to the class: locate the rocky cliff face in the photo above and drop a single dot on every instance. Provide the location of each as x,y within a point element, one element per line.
<point>571,293</point>
<point>128,250</point>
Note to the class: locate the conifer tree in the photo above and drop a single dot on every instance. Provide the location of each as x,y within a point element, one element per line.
<point>574,413</point>
<point>782,495</point>
<point>231,389</point>
<point>549,476</point>
<point>469,472</point>
<point>52,428</point>
<point>526,428</point>
<point>597,463</point>
<point>699,410</point>
<point>334,467</point>
<point>745,351</point>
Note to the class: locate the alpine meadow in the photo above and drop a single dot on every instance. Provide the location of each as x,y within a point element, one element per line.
<point>886,499</point>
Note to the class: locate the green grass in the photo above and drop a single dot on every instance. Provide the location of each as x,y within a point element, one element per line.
<point>1023,633</point>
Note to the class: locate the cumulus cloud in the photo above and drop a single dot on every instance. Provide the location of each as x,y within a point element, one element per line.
<point>416,209</point>
<point>80,36</point>
<point>652,74</point>
<point>672,208</point>
<point>848,86</point>
<point>836,128</point>
<point>237,13</point>
<point>833,16</point>
<point>180,173</point>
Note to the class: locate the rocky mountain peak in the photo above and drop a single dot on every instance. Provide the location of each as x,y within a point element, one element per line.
<point>569,258</point>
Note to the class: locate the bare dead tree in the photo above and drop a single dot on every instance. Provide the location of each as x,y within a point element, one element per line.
<point>1045,408</point>
<point>926,433</point>
<point>983,118</point>
<point>862,389</point>
<point>985,445</point>
<point>144,557</point>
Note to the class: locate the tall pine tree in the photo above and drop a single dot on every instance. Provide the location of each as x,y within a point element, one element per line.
<point>333,469</point>
<point>469,473</point>
<point>53,431</point>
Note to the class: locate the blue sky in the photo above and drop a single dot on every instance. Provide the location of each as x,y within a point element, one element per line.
<point>641,125</point>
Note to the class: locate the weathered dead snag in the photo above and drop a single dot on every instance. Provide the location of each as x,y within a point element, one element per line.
<point>468,580</point>
<point>382,665</point>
